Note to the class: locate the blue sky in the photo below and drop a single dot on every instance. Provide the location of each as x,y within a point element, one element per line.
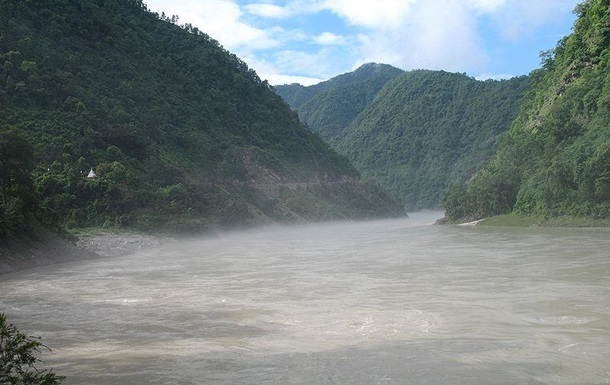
<point>308,41</point>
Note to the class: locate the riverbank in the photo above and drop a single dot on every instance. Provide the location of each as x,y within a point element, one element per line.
<point>353,303</point>
<point>116,243</point>
<point>516,220</point>
<point>41,247</point>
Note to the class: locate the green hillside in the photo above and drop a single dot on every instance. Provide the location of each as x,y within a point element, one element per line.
<point>428,129</point>
<point>415,133</point>
<point>555,160</point>
<point>329,107</point>
<point>180,132</point>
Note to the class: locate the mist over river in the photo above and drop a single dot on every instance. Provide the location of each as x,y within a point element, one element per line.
<point>383,302</point>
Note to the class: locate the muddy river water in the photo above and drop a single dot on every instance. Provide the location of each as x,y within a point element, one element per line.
<point>383,302</point>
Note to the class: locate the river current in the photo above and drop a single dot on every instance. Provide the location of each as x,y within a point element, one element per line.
<point>383,302</point>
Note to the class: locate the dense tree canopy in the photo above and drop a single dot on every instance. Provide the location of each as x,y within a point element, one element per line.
<point>555,160</point>
<point>329,107</point>
<point>415,132</point>
<point>179,131</point>
<point>17,196</point>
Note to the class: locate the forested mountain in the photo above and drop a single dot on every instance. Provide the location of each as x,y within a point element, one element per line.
<point>555,159</point>
<point>180,132</point>
<point>414,132</point>
<point>329,107</point>
<point>428,129</point>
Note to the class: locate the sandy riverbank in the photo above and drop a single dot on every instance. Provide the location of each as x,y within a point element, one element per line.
<point>42,247</point>
<point>112,244</point>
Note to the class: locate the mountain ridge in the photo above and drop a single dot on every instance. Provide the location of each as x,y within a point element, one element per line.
<point>179,130</point>
<point>416,131</point>
<point>555,160</point>
<point>328,107</point>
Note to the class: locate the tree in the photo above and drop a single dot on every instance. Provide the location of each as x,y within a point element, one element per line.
<point>17,194</point>
<point>15,165</point>
<point>18,358</point>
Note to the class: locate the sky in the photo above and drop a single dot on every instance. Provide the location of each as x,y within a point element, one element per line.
<point>309,41</point>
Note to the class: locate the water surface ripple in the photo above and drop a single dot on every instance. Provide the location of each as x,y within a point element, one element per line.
<point>381,302</point>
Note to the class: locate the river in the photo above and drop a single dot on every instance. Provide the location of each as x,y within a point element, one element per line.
<point>383,302</point>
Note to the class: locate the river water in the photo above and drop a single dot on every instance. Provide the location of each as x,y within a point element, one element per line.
<point>381,302</point>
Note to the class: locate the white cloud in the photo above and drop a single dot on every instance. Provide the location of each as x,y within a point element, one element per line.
<point>523,18</point>
<point>454,35</point>
<point>483,6</point>
<point>267,10</point>
<point>276,73</point>
<point>328,38</point>
<point>435,35</point>
<point>218,18</point>
<point>371,14</point>
<point>306,63</point>
<point>445,34</point>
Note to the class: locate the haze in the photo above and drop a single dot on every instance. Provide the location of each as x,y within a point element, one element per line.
<point>344,303</point>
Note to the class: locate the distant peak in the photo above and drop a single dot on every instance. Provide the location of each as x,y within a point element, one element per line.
<point>371,66</point>
<point>375,68</point>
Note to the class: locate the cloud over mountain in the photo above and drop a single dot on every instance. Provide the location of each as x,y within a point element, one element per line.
<point>473,36</point>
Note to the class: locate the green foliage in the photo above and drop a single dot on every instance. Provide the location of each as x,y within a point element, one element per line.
<point>415,133</point>
<point>329,107</point>
<point>18,200</point>
<point>529,220</point>
<point>18,358</point>
<point>162,113</point>
<point>492,192</point>
<point>558,149</point>
<point>332,200</point>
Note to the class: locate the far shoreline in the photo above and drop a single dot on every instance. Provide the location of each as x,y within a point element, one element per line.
<point>43,247</point>
<point>517,220</point>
